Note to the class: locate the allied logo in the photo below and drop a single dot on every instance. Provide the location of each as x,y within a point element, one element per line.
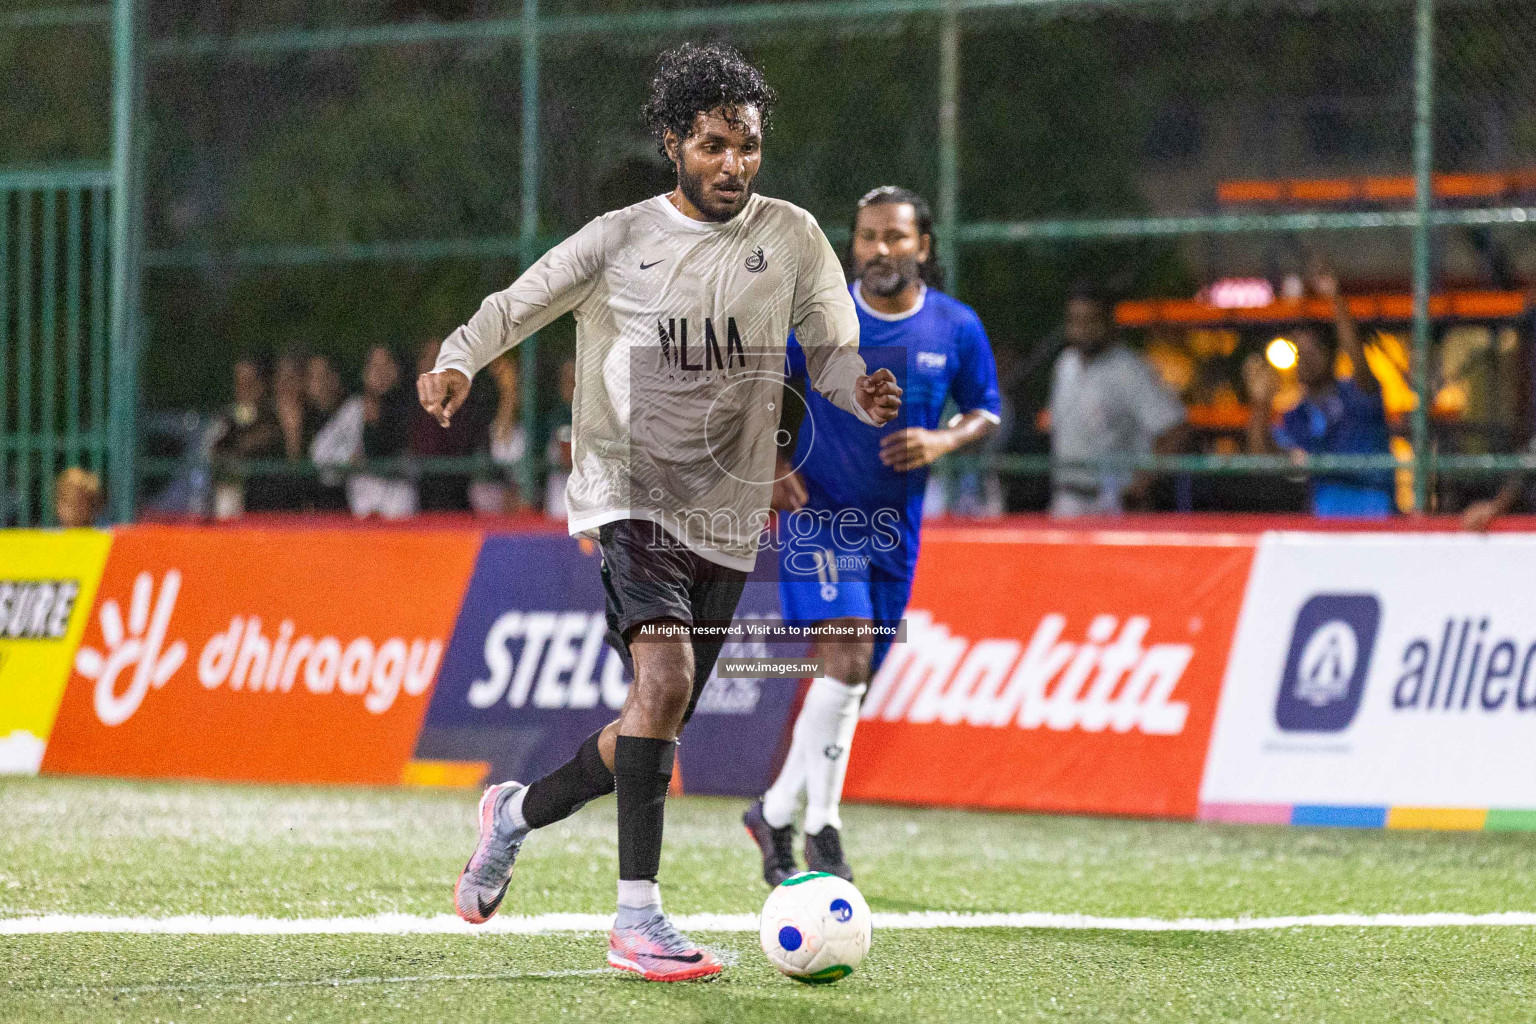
<point>757,262</point>
<point>1329,659</point>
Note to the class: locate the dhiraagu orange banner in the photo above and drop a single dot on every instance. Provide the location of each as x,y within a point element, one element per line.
<point>48,581</point>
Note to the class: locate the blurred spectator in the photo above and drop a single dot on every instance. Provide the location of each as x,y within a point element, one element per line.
<point>443,492</point>
<point>322,398</point>
<point>372,425</point>
<point>246,428</point>
<point>557,446</point>
<point>291,492</point>
<point>1479,515</point>
<point>1334,416</point>
<point>1106,401</point>
<point>506,441</point>
<point>77,498</point>
<point>288,402</point>
<point>1024,427</point>
<point>973,493</point>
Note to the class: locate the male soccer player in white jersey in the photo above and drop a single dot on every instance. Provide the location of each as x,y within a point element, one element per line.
<point>850,515</point>
<point>682,304</point>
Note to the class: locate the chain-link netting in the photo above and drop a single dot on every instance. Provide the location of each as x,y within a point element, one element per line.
<point>328,176</point>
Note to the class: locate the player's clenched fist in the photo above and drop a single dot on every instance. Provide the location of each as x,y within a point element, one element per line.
<point>442,393</point>
<point>879,395</point>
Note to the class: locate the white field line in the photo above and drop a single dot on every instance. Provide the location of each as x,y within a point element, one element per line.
<point>348,982</point>
<point>544,924</point>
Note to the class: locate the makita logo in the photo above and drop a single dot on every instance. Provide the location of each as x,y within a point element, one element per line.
<point>704,354</point>
<point>1108,680</point>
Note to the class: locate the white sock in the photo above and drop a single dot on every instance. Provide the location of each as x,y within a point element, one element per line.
<point>510,810</point>
<point>831,713</point>
<point>640,895</point>
<point>826,722</point>
<point>783,797</point>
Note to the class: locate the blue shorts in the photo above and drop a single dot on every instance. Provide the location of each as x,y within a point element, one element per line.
<point>820,581</point>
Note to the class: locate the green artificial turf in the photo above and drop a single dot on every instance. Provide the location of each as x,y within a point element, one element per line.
<point>96,847</point>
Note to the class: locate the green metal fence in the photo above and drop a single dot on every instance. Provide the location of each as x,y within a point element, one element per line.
<point>68,300</point>
<point>53,332</point>
<point>964,67</point>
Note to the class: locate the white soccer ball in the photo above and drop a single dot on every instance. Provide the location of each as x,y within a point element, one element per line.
<point>815,927</point>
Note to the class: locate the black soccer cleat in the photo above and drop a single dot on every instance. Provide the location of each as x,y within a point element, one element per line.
<point>824,852</point>
<point>777,844</point>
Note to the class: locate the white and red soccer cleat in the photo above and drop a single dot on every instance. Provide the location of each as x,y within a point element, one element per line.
<point>484,880</point>
<point>659,952</point>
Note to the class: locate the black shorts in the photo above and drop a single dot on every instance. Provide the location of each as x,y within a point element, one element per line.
<point>648,574</point>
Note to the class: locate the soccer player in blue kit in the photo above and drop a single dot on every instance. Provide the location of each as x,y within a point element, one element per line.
<point>851,505</point>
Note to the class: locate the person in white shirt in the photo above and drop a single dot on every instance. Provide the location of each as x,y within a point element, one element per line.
<point>1105,401</point>
<point>506,443</point>
<point>683,306</point>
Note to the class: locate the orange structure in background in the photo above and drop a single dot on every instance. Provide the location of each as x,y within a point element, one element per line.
<point>1463,305</point>
<point>1376,188</point>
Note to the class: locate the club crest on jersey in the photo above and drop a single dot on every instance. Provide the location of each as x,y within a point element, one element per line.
<point>674,355</point>
<point>757,262</point>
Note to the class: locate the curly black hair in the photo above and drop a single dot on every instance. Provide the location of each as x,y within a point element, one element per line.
<point>692,80</point>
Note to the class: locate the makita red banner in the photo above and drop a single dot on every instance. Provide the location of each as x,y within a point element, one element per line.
<point>1055,670</point>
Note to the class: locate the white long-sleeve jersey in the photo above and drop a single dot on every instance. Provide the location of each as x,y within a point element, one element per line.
<point>680,333</point>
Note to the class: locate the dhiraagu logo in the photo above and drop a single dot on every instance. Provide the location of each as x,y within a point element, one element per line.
<point>1328,662</point>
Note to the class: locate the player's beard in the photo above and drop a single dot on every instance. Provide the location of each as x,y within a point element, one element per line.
<point>890,276</point>
<point>693,187</point>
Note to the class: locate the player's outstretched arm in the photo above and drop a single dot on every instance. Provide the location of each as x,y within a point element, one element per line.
<point>826,326</point>
<point>556,284</point>
<point>915,447</point>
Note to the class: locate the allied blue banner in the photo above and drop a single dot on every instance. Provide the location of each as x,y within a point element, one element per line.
<point>528,675</point>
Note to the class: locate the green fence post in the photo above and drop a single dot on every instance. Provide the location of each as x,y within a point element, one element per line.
<point>123,396</point>
<point>5,356</point>
<point>98,362</point>
<point>25,439</point>
<point>528,233</point>
<point>949,138</point>
<point>1423,142</point>
<point>48,354</point>
<point>72,389</point>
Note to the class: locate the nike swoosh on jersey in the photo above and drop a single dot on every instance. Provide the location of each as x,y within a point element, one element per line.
<point>647,266</point>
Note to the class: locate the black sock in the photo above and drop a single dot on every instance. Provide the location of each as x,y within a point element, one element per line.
<point>642,770</point>
<point>566,790</point>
